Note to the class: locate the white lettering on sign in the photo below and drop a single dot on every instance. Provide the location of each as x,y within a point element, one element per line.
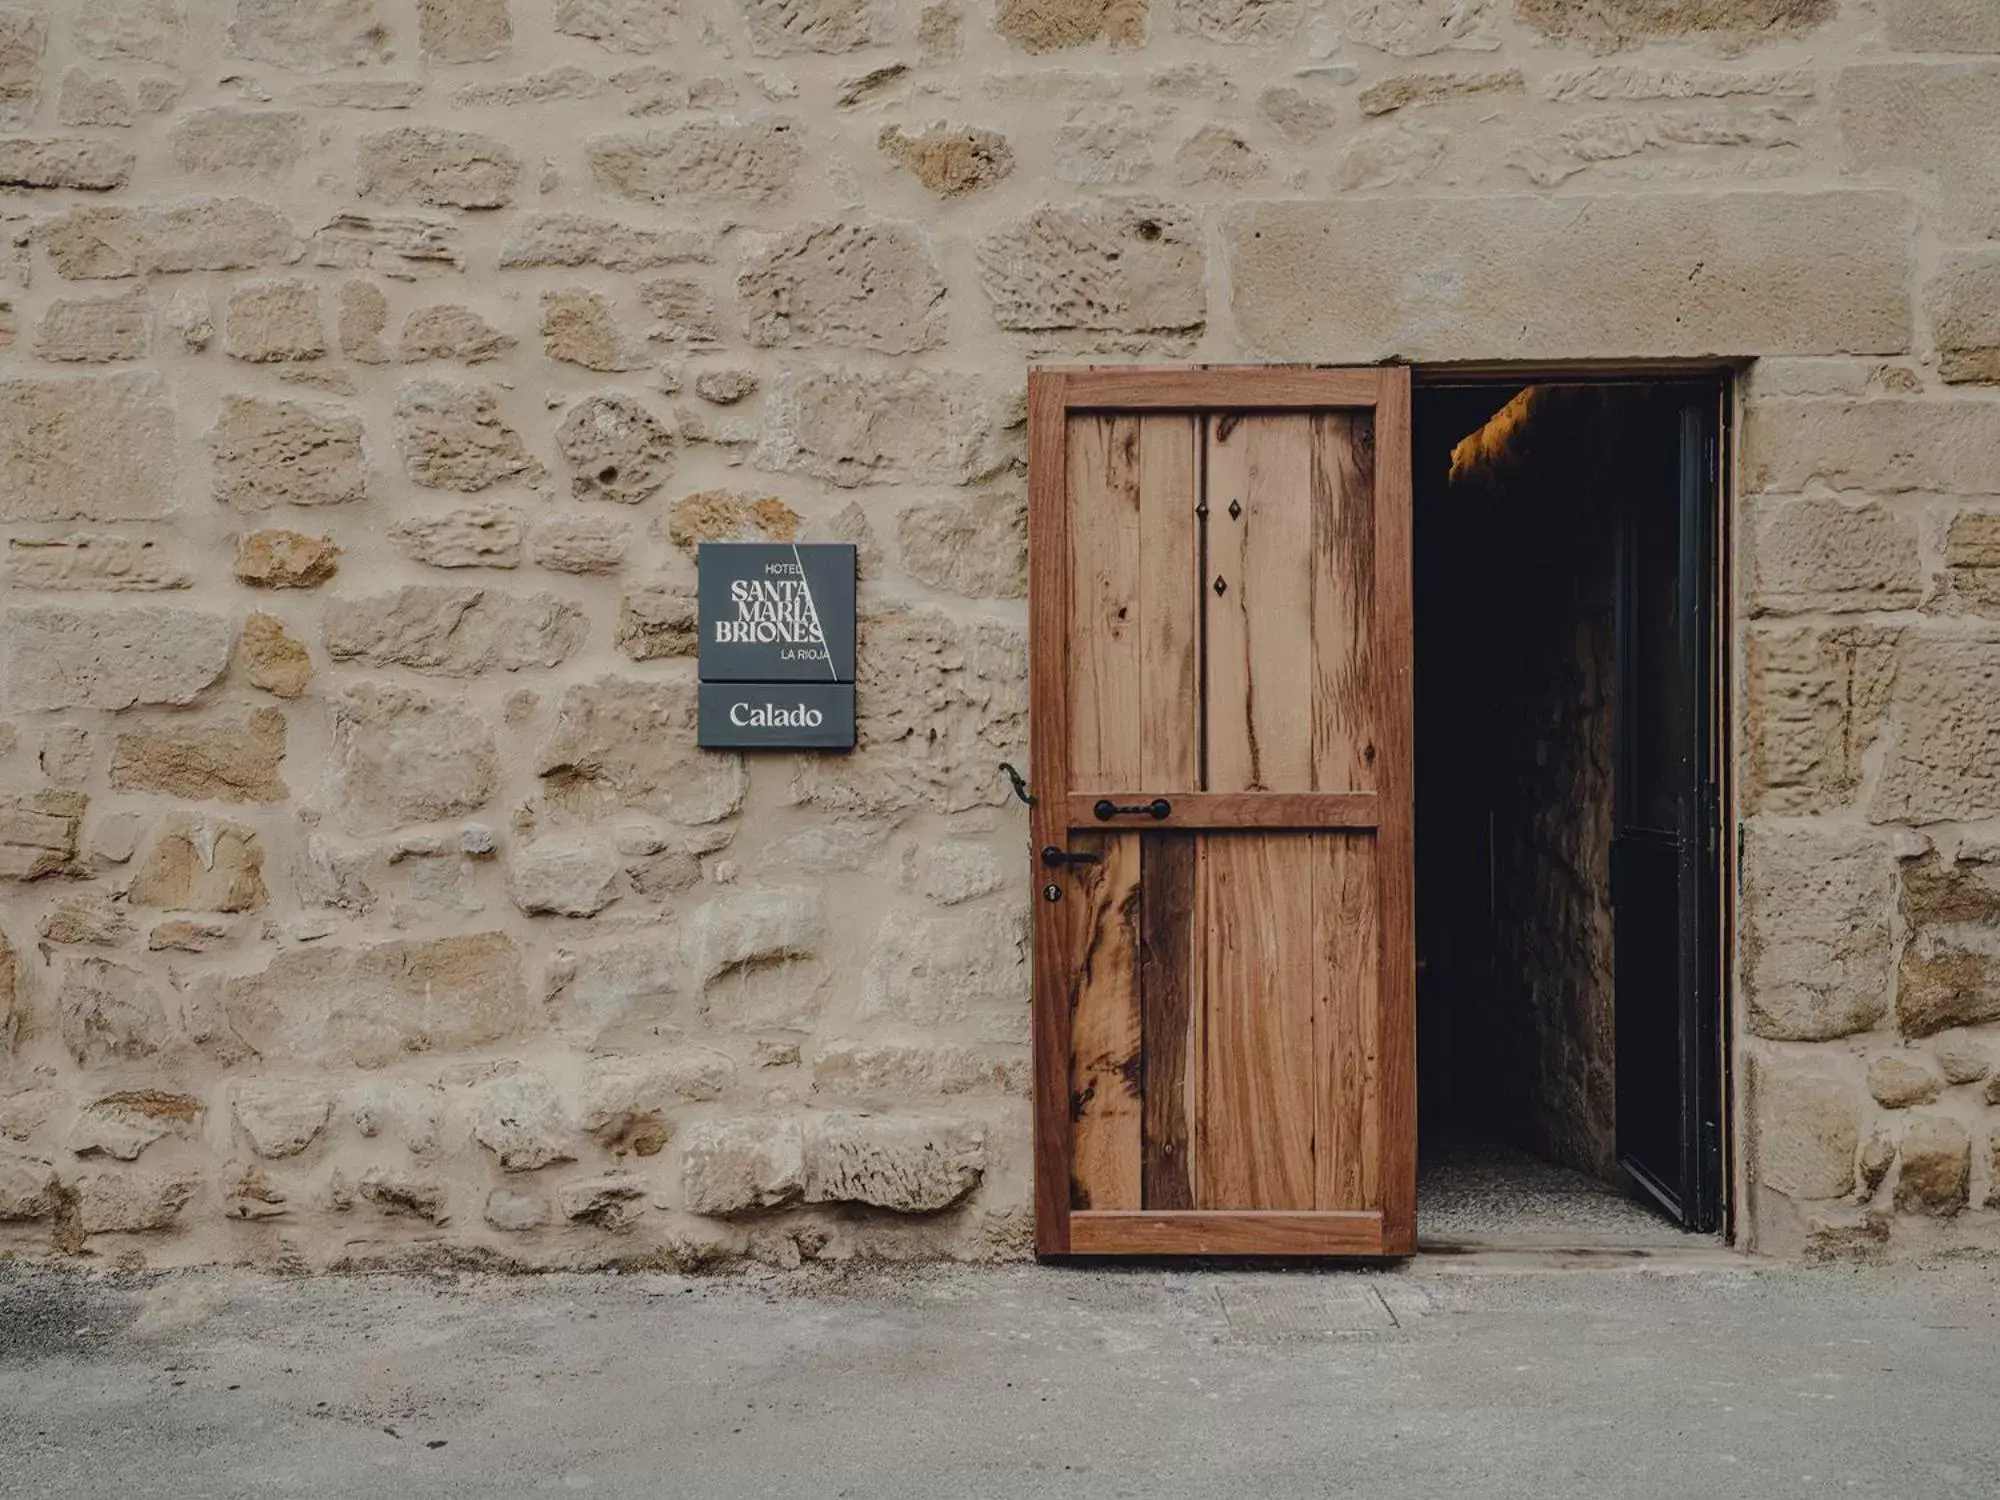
<point>774,716</point>
<point>774,612</point>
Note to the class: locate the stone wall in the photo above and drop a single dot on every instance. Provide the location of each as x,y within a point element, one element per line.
<point>373,366</point>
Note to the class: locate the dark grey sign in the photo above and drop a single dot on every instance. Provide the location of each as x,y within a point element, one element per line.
<point>777,645</point>
<point>777,715</point>
<point>777,612</point>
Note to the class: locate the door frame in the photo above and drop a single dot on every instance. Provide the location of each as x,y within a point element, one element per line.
<point>1052,395</point>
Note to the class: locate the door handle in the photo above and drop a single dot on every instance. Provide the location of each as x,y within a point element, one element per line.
<point>1158,809</point>
<point>1052,857</point>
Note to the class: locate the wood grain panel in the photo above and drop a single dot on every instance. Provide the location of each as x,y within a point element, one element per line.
<point>1169,989</point>
<point>1275,810</point>
<point>1105,1128</point>
<point>1169,620</point>
<point>1343,602</point>
<point>1223,388</point>
<point>1347,937</point>
<point>1201,1233</point>
<point>1254,1126</point>
<point>1104,616</point>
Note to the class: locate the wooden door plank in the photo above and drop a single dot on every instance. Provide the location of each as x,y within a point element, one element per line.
<point>1103,904</point>
<point>1048,697</point>
<point>1205,1233</point>
<point>1104,624</point>
<point>1169,591</point>
<point>1343,602</point>
<point>1169,989</point>
<point>1238,810</point>
<point>1346,933</point>
<point>1254,1125</point>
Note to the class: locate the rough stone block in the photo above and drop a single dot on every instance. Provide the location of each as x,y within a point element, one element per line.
<point>704,161</point>
<point>1667,274</point>
<point>224,761</point>
<point>748,929</point>
<point>272,659</point>
<point>309,35</point>
<point>580,544</point>
<point>1898,1080</point>
<point>626,988</point>
<point>29,1187</point>
<point>1960,1057</point>
<point>463,31</point>
<point>268,453</point>
<point>473,536</point>
<point>891,1071</point>
<point>976,545</point>
<point>123,1125</point>
<point>93,448</point>
<point>93,562</point>
<point>1886,446</point>
<point>79,163</point>
<point>515,1212</point>
<point>1056,25</point>
<point>623,743</point>
<point>1133,266</point>
<point>1944,754</point>
<point>520,1119</point>
<point>627,1100</point>
<point>59,657</point>
<point>110,1013</point>
<point>96,330</point>
<point>742,1163</point>
<point>729,516</point>
<point>871,285</point>
<point>1817,903</point>
<point>203,234</point>
<point>1938,119</point>
<point>1818,553</point>
<point>853,427</point>
<point>281,1117</point>
<point>613,1204</point>
<point>635,26</point>
<point>452,437</point>
<point>278,559</point>
<point>24,37</point>
<point>1407,89</point>
<point>909,1164</point>
<point>453,631</point>
<point>88,98</point>
<point>1950,971</point>
<point>616,449</point>
<point>199,863</point>
<point>1608,25</point>
<point>950,969</point>
<point>95,920</point>
<point>1419,28</point>
<point>1941,25</point>
<point>949,159</point>
<point>122,1202</point>
<point>404,1194</point>
<point>227,142</point>
<point>401,757</point>
<point>683,312</point>
<point>580,327</point>
<point>658,623</point>
<point>1937,1167</point>
<point>369,1006</point>
<point>38,837</point>
<point>562,877</point>
<point>449,331</point>
<point>1817,698</point>
<point>442,168</point>
<point>131,30</point>
<point>582,240</point>
<point>781,28</point>
<point>1964,301</point>
<point>272,321</point>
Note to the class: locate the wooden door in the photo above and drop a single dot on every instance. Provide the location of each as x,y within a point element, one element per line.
<point>1219,582</point>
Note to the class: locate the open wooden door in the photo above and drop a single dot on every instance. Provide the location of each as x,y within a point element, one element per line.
<point>1219,585</point>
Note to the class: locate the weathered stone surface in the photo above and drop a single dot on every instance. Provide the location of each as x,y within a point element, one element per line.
<point>582,240</point>
<point>580,544</point>
<point>617,742</point>
<point>29,1187</point>
<point>123,1125</point>
<point>1964,302</point>
<point>726,387</point>
<point>960,870</point>
<point>515,1212</point>
<point>613,1204</point>
<point>1418,28</point>
<point>131,30</point>
<point>853,427</point>
<point>453,631</point>
<point>93,562</point>
<point>278,559</point>
<point>580,327</point>
<point>948,969</point>
<point>269,453</point>
<point>124,1202</point>
<point>706,161</point>
<point>272,321</point>
<point>228,142</point>
<point>1937,1167</point>
<point>362,315</point>
<point>1820,553</point>
<point>911,1164</point>
<point>86,449</point>
<point>520,1119</point>
<point>96,330</point>
<point>452,437</point>
<point>402,757</point>
<point>403,245</point>
<point>891,1071</point>
<point>24,36</point>
<point>869,285</point>
<point>1817,699</point>
<point>742,1163</point>
<point>1961,1058</point>
<point>1055,25</point>
<point>199,863</point>
<point>1217,153</point>
<point>1625,81</point>
<point>1121,267</point>
<point>1885,446</point>
<point>562,877</point>
<point>780,28</point>
<point>200,234</point>
<point>472,536</point>
<point>222,760</point>
<point>76,162</point>
<point>109,1013</point>
<point>565,82</point>
<point>1950,973</point>
<point>88,98</point>
<point>975,545</point>
<point>271,659</point>
<point>1941,26</point>
<point>404,1194</point>
<point>637,26</point>
<point>751,929</point>
<point>449,331</point>
<point>1816,909</point>
<point>1898,1080</point>
<point>1939,119</point>
<point>937,704</point>
<point>1944,758</point>
<point>627,1100</point>
<point>61,657</point>
<point>658,623</point>
<point>463,31</point>
<point>683,312</point>
<point>1402,151</point>
<point>1407,89</point>
<point>1607,25</point>
<point>949,159</point>
<point>369,1006</point>
<point>281,1117</point>
<point>38,834</point>
<point>1240,21</point>
<point>85,919</point>
<point>1791,273</point>
<point>624,988</point>
<point>188,934</point>
<point>442,168</point>
<point>309,35</point>
<point>729,516</point>
<point>616,448</point>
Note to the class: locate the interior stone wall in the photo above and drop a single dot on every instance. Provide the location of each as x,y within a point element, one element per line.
<point>373,366</point>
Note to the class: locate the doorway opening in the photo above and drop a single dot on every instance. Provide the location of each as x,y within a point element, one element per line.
<point>1569,698</point>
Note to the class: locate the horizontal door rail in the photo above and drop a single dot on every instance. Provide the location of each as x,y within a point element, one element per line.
<point>1223,1232</point>
<point>1246,388</point>
<point>1226,810</point>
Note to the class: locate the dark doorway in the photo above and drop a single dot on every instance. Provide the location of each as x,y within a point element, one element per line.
<point>1568,683</point>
